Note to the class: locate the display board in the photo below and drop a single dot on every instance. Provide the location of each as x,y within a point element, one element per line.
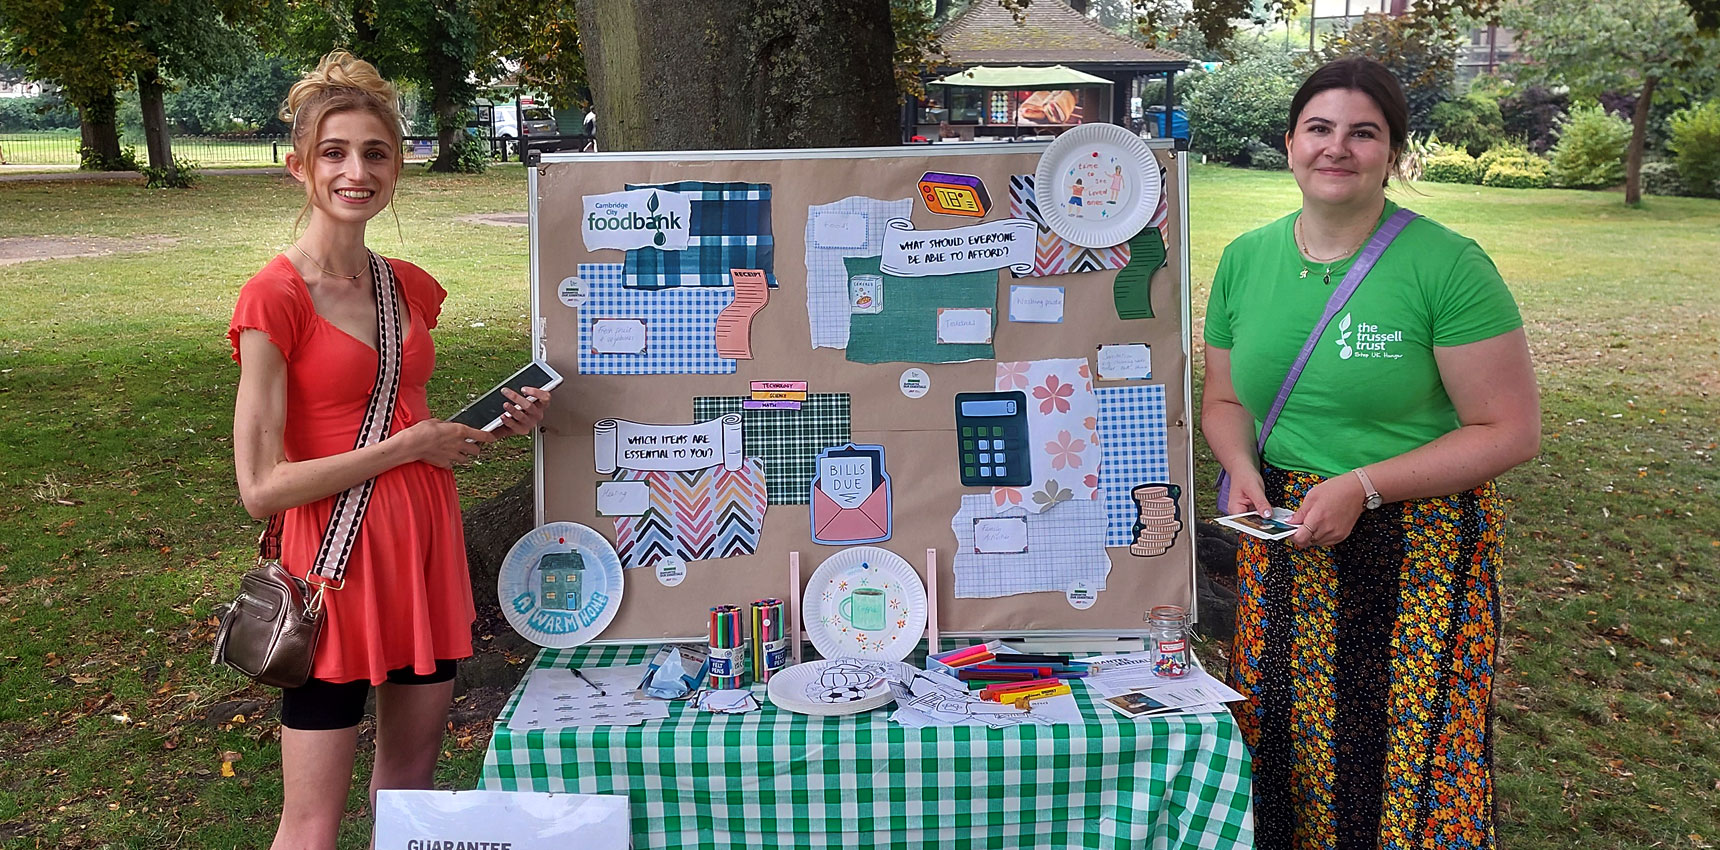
<point>775,352</point>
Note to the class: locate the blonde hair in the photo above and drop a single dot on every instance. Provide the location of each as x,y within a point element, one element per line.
<point>341,82</point>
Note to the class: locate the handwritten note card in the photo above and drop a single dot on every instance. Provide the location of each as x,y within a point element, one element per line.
<point>1005,535</point>
<point>839,230</point>
<point>618,336</point>
<point>964,325</point>
<point>1123,362</point>
<point>623,498</point>
<point>1042,304</point>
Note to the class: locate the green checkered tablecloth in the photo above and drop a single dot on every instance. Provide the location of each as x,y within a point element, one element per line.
<point>774,779</point>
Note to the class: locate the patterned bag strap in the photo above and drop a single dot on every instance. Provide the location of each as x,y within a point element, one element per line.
<point>1377,245</point>
<point>349,507</point>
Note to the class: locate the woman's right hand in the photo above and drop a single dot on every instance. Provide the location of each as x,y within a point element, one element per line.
<point>445,444</point>
<point>1247,494</point>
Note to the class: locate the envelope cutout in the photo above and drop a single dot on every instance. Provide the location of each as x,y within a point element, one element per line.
<point>851,496</point>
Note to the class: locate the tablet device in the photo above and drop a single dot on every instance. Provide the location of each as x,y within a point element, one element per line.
<point>485,413</point>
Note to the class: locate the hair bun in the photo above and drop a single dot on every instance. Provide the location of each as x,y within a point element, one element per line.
<point>340,74</point>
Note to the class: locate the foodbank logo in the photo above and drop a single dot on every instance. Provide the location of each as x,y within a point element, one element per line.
<point>654,219</point>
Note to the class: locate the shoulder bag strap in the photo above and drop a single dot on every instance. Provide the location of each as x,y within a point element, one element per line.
<point>1352,280</point>
<point>349,507</point>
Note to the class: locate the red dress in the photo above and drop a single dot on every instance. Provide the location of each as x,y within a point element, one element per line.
<point>408,598</point>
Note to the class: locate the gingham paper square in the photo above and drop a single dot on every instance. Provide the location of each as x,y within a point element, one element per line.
<point>680,326</point>
<point>729,229</point>
<point>787,440</point>
<point>1132,442</point>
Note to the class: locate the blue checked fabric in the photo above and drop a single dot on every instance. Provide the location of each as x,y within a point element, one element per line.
<point>773,779</point>
<point>730,229</point>
<point>1132,451</point>
<point>680,326</point>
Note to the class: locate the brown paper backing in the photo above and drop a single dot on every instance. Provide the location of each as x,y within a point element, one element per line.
<point>917,434</point>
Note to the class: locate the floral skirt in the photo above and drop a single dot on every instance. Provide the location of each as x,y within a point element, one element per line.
<point>1368,668</point>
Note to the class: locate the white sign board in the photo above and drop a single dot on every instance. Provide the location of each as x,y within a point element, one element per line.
<point>500,820</point>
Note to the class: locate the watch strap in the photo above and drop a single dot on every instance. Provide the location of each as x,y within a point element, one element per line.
<point>1373,500</point>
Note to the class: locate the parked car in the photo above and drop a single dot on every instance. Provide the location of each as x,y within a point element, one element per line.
<point>539,121</point>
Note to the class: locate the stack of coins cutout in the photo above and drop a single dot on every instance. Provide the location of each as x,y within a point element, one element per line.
<point>1160,519</point>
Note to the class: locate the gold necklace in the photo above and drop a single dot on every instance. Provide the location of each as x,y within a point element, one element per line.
<point>306,255</point>
<point>1326,276</point>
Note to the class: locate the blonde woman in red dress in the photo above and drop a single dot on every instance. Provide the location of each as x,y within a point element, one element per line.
<point>304,332</point>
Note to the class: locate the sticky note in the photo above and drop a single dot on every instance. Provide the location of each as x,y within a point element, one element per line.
<point>1043,304</point>
<point>964,325</point>
<point>1123,362</point>
<point>618,336</point>
<point>1005,535</point>
<point>839,229</point>
<point>623,498</point>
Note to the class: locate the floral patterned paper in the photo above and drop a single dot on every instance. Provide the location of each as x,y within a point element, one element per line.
<point>1062,427</point>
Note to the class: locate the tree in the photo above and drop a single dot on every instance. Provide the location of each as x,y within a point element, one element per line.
<point>189,40</point>
<point>436,44</point>
<point>741,74</point>
<point>541,38</point>
<point>1597,46</point>
<point>1423,54</point>
<point>82,46</point>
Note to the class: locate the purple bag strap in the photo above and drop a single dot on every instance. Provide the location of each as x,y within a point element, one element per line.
<point>1377,245</point>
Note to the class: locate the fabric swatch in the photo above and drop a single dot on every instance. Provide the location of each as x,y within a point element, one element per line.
<point>1063,546</point>
<point>1132,439</point>
<point>787,441</point>
<point>1053,254</point>
<point>1062,429</point>
<point>694,516</point>
<point>827,304</point>
<point>730,229</point>
<point>679,326</point>
<point>906,330</point>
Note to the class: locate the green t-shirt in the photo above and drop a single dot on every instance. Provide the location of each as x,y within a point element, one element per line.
<point>1371,389</point>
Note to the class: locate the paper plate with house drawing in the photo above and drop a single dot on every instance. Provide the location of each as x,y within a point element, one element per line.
<point>1097,185</point>
<point>865,602</point>
<point>560,585</point>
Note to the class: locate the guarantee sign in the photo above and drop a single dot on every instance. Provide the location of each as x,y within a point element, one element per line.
<point>560,585</point>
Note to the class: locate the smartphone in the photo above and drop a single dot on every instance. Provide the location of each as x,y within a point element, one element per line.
<point>485,413</point>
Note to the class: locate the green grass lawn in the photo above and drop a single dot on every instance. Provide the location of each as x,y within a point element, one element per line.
<point>121,525</point>
<point>61,148</point>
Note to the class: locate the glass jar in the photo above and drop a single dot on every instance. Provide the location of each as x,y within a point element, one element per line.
<point>1167,629</point>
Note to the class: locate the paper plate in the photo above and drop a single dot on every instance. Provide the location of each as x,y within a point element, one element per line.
<point>1118,189</point>
<point>865,602</point>
<point>837,686</point>
<point>560,585</point>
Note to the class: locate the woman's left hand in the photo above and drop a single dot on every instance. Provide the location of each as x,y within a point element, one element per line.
<point>1329,512</point>
<point>522,413</point>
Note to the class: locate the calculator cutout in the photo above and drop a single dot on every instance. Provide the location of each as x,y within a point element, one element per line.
<point>991,439</point>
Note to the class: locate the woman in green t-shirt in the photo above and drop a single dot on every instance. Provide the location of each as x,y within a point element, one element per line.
<point>1366,642</point>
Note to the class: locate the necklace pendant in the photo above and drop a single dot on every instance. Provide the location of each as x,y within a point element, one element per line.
<point>1304,274</point>
<point>1328,278</point>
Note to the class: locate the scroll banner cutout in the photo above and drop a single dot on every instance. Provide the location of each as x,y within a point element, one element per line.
<point>677,448</point>
<point>1006,243</point>
<point>1132,289</point>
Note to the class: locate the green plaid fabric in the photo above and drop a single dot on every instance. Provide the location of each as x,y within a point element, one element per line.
<point>788,441</point>
<point>773,779</point>
<point>729,229</point>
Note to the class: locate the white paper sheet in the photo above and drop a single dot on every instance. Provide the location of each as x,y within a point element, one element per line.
<point>556,698</point>
<point>936,699</point>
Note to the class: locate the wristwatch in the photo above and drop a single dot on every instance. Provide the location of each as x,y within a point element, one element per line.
<point>1373,500</point>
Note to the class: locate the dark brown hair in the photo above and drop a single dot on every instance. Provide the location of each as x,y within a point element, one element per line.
<point>1359,73</point>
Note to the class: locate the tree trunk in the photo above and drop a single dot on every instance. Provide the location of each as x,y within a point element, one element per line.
<point>151,92</point>
<point>741,74</point>
<point>1638,139</point>
<point>448,132</point>
<point>99,127</point>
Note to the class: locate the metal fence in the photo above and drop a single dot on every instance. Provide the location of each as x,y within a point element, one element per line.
<point>61,148</point>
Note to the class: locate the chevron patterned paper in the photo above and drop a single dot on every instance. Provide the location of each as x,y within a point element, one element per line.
<point>1054,254</point>
<point>694,516</point>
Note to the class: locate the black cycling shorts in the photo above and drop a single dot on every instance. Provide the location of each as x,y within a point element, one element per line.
<point>321,704</point>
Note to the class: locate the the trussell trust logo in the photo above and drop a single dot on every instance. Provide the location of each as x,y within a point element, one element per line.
<point>1370,340</point>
